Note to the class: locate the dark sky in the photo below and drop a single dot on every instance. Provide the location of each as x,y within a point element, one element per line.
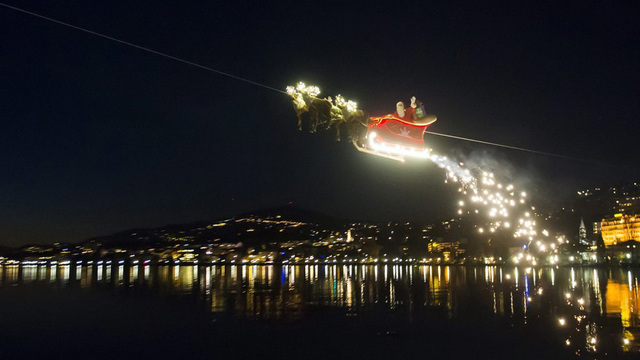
<point>98,137</point>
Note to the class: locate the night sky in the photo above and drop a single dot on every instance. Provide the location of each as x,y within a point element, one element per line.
<point>99,137</point>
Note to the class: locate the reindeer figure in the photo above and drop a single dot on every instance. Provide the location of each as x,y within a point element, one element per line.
<point>299,105</point>
<point>347,113</point>
<point>305,100</point>
<point>319,109</point>
<point>336,120</point>
<point>357,125</point>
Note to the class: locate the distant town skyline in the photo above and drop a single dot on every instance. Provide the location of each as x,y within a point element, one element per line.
<point>592,208</point>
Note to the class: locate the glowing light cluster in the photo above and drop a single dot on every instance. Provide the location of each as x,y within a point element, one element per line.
<point>302,88</point>
<point>310,90</point>
<point>498,203</point>
<point>397,149</point>
<point>455,172</point>
<point>350,105</point>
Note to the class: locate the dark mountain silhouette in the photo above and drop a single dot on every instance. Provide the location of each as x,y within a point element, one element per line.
<point>200,231</point>
<point>293,213</point>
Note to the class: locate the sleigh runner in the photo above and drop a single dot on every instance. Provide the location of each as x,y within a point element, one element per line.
<point>395,138</point>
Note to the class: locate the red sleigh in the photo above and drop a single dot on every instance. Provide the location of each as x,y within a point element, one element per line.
<point>394,138</point>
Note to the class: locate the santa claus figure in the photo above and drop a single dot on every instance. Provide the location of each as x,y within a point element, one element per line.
<point>406,114</point>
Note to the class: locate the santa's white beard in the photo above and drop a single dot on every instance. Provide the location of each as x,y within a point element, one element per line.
<point>400,111</point>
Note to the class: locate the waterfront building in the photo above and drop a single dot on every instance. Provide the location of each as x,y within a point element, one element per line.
<point>450,250</point>
<point>604,201</point>
<point>620,228</point>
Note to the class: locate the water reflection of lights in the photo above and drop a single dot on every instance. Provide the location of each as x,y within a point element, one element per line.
<point>585,303</point>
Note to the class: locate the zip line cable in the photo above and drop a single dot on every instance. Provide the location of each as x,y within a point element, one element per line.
<point>509,147</point>
<point>524,149</point>
<point>139,47</point>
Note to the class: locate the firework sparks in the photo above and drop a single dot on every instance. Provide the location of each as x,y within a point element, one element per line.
<point>483,195</point>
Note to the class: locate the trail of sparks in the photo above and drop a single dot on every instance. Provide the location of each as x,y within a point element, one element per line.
<point>501,205</point>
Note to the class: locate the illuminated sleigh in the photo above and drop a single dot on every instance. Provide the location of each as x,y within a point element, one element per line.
<point>394,138</point>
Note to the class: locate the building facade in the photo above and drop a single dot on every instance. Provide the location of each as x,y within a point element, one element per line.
<point>620,228</point>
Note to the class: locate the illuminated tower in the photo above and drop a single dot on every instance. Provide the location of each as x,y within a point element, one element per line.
<point>582,234</point>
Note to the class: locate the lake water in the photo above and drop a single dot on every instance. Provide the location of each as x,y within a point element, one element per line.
<point>319,311</point>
